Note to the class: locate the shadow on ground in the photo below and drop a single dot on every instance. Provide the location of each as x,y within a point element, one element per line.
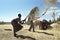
<point>24,37</point>
<point>46,33</point>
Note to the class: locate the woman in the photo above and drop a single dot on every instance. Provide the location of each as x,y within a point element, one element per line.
<point>16,23</point>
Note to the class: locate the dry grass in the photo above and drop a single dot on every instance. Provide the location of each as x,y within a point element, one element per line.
<point>51,34</point>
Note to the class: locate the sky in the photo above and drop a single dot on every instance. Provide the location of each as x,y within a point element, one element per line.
<point>9,9</point>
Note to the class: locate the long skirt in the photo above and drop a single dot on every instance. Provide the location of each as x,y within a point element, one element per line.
<point>16,26</point>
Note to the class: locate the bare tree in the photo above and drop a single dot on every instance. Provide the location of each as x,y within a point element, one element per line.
<point>52,3</point>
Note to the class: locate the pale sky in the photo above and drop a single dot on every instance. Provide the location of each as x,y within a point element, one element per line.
<point>9,9</point>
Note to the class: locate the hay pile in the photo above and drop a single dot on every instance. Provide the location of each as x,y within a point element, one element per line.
<point>56,26</point>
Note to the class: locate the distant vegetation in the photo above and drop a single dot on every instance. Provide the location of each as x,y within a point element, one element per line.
<point>4,22</point>
<point>58,19</point>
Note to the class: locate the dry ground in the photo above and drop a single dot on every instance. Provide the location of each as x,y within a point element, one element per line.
<point>6,33</point>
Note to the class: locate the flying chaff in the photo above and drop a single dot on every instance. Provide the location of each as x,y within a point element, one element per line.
<point>50,2</point>
<point>34,14</point>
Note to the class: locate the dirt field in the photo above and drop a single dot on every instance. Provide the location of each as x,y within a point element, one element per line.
<point>6,33</point>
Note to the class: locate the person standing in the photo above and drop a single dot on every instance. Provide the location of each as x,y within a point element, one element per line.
<point>31,26</point>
